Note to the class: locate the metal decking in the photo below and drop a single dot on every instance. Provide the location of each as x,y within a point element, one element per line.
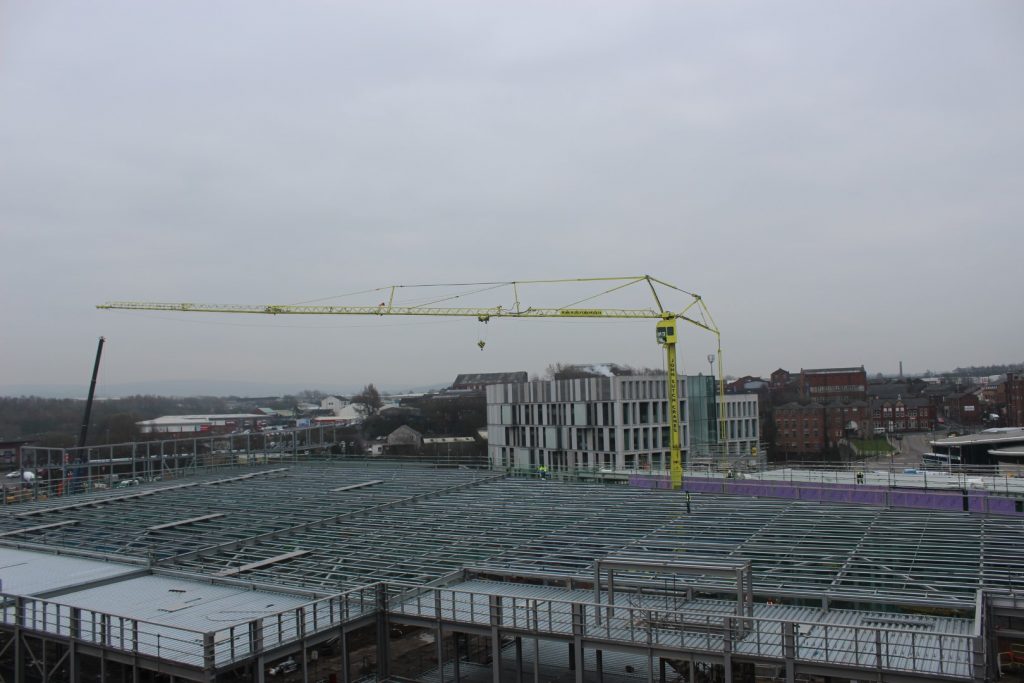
<point>420,524</point>
<point>917,644</point>
<point>383,532</point>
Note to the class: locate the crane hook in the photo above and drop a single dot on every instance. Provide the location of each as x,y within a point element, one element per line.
<point>483,318</point>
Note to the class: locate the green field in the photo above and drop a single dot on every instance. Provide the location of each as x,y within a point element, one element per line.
<point>876,444</point>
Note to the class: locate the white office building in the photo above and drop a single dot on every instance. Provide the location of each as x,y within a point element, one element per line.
<point>618,423</point>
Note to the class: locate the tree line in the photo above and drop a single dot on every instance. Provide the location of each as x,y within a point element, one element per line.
<point>57,421</point>
<point>985,370</point>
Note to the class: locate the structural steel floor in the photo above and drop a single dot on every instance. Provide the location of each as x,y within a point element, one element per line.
<point>924,644</point>
<point>415,524</point>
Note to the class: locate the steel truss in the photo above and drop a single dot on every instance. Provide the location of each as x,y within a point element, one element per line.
<point>321,529</point>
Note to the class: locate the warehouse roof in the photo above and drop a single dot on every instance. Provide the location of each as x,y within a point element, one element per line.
<point>188,419</point>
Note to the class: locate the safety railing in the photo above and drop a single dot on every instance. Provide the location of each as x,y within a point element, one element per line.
<point>190,647</point>
<point>137,636</point>
<point>987,477</point>
<point>912,649</point>
<point>240,641</point>
<point>941,655</point>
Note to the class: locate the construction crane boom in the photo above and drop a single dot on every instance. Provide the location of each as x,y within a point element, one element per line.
<point>384,309</point>
<point>83,435</point>
<point>666,329</point>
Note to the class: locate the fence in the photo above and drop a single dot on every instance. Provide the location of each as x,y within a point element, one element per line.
<point>190,647</point>
<point>980,478</point>
<point>59,472</point>
<point>842,645</point>
<point>841,639</point>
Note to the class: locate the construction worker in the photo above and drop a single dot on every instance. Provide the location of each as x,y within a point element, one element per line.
<point>543,472</point>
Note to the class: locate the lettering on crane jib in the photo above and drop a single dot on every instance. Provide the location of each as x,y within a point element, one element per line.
<point>587,312</point>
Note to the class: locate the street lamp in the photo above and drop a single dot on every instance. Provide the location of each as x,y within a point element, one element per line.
<point>713,402</point>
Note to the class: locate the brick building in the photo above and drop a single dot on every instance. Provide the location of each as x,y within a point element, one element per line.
<point>847,420</point>
<point>800,428</point>
<point>829,384</point>
<point>780,379</point>
<point>1014,399</point>
<point>964,408</point>
<point>903,414</point>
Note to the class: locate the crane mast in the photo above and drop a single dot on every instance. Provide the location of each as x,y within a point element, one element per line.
<point>666,331</point>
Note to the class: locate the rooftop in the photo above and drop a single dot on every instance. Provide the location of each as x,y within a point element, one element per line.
<point>829,371</point>
<point>312,527</point>
<point>188,419</point>
<point>995,436</point>
<point>490,378</point>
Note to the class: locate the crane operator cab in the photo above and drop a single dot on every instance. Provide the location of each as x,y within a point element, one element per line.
<point>666,332</point>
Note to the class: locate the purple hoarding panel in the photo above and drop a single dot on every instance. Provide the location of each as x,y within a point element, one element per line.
<point>1002,506</point>
<point>858,494</point>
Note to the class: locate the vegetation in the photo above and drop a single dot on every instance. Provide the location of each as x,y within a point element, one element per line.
<point>985,370</point>
<point>432,416</point>
<point>877,444</point>
<point>368,401</point>
<point>57,422</point>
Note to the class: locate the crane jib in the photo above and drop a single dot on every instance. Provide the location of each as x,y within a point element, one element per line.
<point>667,331</point>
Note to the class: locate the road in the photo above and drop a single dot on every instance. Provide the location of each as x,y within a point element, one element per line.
<point>913,446</point>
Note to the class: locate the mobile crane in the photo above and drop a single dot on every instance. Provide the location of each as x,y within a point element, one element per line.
<point>666,329</point>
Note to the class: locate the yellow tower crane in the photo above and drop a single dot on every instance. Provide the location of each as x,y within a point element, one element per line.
<point>666,328</point>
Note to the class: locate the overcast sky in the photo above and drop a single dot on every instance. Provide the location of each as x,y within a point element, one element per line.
<point>843,182</point>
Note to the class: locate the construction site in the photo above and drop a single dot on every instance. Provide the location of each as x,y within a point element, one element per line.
<point>320,570</point>
<point>237,560</point>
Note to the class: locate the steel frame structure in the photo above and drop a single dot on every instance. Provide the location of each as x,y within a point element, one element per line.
<point>323,528</point>
<point>419,524</point>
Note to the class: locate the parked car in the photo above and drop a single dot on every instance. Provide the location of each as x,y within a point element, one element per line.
<point>286,667</point>
<point>26,476</point>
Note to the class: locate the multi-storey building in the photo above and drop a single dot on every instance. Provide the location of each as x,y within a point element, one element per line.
<point>800,428</point>
<point>1014,399</point>
<point>815,427</point>
<point>903,414</point>
<point>846,419</point>
<point>616,423</point>
<point>963,407</point>
<point>829,384</point>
